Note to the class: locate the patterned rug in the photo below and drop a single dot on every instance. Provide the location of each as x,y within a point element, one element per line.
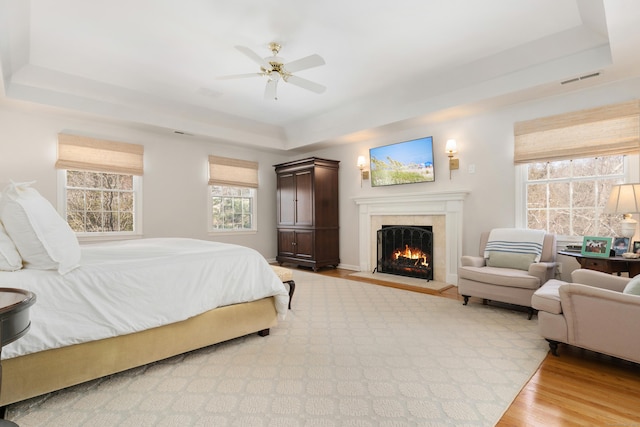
<point>348,354</point>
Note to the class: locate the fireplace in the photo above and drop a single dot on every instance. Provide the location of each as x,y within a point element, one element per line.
<point>442,210</point>
<point>405,250</point>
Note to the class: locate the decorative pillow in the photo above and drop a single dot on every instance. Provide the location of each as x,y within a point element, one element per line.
<point>44,240</point>
<point>9,257</point>
<point>510,260</point>
<point>633,287</point>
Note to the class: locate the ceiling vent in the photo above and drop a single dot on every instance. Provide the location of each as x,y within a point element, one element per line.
<point>577,79</point>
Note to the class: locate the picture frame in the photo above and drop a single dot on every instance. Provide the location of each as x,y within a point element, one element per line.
<point>594,246</point>
<point>636,247</point>
<point>620,245</point>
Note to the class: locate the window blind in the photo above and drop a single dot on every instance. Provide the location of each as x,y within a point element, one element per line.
<point>603,131</point>
<point>97,155</point>
<point>233,172</point>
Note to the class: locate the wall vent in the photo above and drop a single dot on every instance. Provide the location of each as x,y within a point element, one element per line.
<point>577,79</point>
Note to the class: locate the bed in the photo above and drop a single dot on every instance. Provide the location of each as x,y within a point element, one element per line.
<point>133,302</point>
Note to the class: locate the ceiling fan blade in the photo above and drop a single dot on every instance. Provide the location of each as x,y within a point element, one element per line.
<point>305,84</point>
<point>271,90</point>
<point>255,57</point>
<point>304,63</point>
<point>239,76</point>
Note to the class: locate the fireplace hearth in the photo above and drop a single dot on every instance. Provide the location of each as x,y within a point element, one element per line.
<point>405,251</point>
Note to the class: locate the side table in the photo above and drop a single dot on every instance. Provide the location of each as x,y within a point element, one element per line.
<point>14,323</point>
<point>611,265</point>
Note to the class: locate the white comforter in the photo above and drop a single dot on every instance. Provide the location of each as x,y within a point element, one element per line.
<point>129,286</point>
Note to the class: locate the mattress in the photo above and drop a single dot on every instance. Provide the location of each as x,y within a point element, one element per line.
<point>129,286</point>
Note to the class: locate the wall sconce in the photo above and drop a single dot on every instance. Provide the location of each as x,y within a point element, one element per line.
<point>362,162</point>
<point>451,149</point>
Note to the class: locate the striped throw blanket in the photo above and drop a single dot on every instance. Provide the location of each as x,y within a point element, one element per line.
<point>515,240</point>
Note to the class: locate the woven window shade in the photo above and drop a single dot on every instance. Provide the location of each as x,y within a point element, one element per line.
<point>603,131</point>
<point>233,172</point>
<point>97,155</point>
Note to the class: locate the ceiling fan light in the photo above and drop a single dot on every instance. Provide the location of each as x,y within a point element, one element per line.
<point>275,69</point>
<point>274,75</point>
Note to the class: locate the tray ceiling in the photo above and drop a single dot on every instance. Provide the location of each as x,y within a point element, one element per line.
<point>155,63</point>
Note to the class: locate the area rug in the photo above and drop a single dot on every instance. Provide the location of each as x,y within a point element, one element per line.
<point>347,354</point>
<point>394,279</point>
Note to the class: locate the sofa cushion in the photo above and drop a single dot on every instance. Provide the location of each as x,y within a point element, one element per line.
<point>515,240</point>
<point>547,298</point>
<point>509,277</point>
<point>633,287</point>
<point>510,260</point>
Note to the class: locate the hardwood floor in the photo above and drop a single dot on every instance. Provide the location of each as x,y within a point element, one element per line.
<point>577,388</point>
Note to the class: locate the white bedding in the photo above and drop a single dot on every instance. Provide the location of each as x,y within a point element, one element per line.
<point>129,286</point>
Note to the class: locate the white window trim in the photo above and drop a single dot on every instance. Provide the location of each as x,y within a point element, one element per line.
<point>102,236</point>
<point>632,174</point>
<point>217,232</point>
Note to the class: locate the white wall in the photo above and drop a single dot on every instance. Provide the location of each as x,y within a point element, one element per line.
<point>175,186</point>
<point>485,141</point>
<point>175,189</point>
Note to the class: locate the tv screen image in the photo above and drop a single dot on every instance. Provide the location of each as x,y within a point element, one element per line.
<point>402,163</point>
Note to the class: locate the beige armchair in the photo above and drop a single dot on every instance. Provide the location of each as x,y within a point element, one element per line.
<point>514,285</point>
<point>591,313</point>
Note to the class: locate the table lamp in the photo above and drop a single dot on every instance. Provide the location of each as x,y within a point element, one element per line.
<point>625,199</point>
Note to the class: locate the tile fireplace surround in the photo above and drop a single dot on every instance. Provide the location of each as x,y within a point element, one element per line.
<point>442,210</point>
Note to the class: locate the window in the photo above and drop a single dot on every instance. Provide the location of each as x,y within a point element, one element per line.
<point>567,197</point>
<point>232,208</point>
<point>100,185</point>
<point>567,164</point>
<point>99,202</point>
<point>233,187</point>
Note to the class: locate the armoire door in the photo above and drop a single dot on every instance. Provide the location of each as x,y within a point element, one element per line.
<point>305,244</point>
<point>304,198</point>
<point>286,202</point>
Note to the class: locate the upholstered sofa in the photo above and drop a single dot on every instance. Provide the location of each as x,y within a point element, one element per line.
<point>502,281</point>
<point>592,313</point>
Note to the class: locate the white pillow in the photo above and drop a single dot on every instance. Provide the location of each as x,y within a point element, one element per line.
<point>44,240</point>
<point>633,287</point>
<point>10,259</point>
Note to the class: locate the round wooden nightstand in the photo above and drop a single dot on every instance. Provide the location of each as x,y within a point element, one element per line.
<point>14,323</point>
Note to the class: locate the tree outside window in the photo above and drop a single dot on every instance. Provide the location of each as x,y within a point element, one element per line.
<point>98,202</point>
<point>567,197</point>
<point>233,208</point>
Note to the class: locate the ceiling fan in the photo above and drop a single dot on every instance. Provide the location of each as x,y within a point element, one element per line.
<point>275,69</point>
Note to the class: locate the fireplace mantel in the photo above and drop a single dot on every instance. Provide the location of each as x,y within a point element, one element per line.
<point>446,203</point>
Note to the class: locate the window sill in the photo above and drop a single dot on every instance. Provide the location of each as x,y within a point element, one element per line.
<point>232,232</point>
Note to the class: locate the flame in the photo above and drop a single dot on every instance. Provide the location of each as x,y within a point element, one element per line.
<point>412,253</point>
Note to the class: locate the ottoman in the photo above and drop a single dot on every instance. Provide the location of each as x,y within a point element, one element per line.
<point>286,276</point>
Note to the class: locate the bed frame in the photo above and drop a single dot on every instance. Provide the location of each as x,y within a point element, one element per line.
<point>39,373</point>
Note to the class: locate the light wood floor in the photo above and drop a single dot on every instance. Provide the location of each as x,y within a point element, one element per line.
<point>578,388</point>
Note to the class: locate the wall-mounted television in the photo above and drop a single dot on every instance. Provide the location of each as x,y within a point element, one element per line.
<point>405,162</point>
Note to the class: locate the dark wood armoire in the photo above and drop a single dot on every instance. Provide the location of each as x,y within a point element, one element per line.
<point>308,215</point>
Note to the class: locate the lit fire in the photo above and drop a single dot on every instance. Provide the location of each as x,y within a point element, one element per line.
<point>411,253</point>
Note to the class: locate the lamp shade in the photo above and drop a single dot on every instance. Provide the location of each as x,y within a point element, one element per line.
<point>624,199</point>
<point>451,146</point>
<point>361,162</point>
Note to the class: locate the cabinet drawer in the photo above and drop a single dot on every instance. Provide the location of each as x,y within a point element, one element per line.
<point>597,264</point>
